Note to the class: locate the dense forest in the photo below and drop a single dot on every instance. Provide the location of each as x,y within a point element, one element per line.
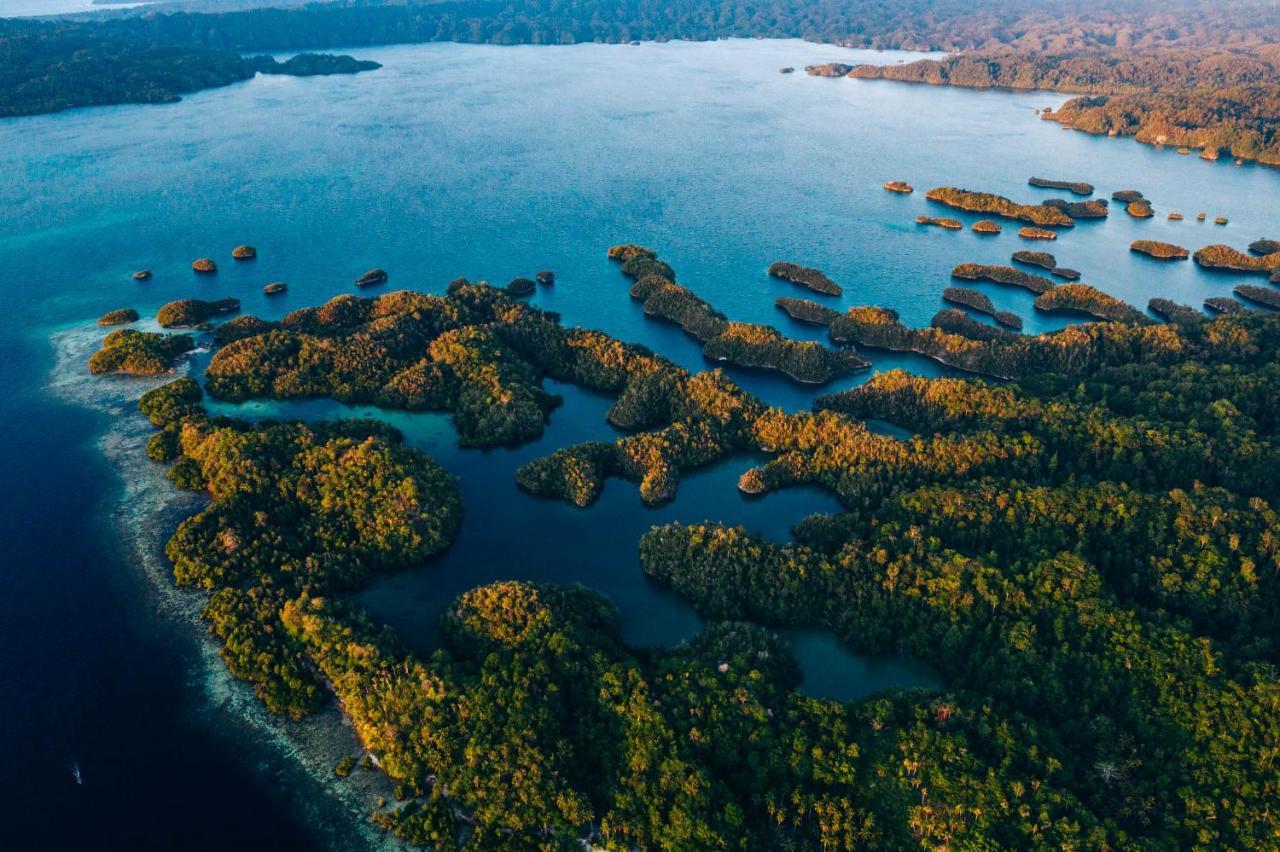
<point>1087,553</point>
<point>1225,102</point>
<point>155,57</point>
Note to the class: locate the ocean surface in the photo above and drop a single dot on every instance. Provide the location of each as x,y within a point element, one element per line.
<point>491,163</point>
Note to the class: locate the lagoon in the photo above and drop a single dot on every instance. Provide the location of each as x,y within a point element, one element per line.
<point>489,162</point>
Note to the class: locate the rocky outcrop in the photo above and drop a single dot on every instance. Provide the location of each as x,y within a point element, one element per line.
<point>372,277</point>
<point>244,252</point>
<point>275,288</point>
<point>120,316</point>
<point>204,266</point>
<point>142,275</point>
<point>900,186</point>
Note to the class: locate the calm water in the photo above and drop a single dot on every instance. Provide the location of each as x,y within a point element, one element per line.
<point>490,163</point>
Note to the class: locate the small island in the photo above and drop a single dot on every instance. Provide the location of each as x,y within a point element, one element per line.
<point>1175,217</point>
<point>244,252</point>
<point>1094,208</point>
<point>545,277</point>
<point>1002,275</point>
<point>828,69</point>
<point>1264,246</point>
<point>984,202</point>
<point>986,226</point>
<point>899,186</point>
<point>1037,234</point>
<point>1066,273</point>
<point>1083,299</point>
<point>142,275</point>
<point>944,222</point>
<point>803,310</point>
<point>1268,296</point>
<point>980,302</point>
<point>786,70</point>
<point>139,353</point>
<point>1224,305</point>
<point>1139,209</point>
<point>204,266</point>
<point>805,276</point>
<point>1226,258</point>
<point>1171,311</point>
<point>1042,259</point>
<point>1127,196</point>
<point>311,65</point>
<point>521,287</point>
<point>372,277</point>
<point>1074,187</point>
<point>275,288</point>
<point>1221,220</point>
<point>192,313</point>
<point>1159,250</point>
<point>952,321</point>
<point>120,316</point>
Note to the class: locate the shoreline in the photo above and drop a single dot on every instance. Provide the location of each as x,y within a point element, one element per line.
<point>297,757</point>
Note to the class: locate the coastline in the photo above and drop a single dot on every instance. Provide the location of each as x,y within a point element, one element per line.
<point>298,757</point>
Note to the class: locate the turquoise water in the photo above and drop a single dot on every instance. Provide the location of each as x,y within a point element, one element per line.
<point>487,162</point>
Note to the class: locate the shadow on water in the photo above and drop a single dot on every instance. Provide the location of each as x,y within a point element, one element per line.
<point>507,534</point>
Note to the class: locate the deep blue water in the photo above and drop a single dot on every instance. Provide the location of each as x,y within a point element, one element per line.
<point>490,163</point>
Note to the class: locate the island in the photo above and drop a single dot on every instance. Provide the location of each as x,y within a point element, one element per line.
<point>828,69</point>
<point>1094,208</point>
<point>899,186</point>
<point>120,316</point>
<point>1268,296</point>
<point>944,222</point>
<point>803,310</point>
<point>1042,259</point>
<point>275,288</point>
<point>1127,196</point>
<point>1002,275</point>
<point>139,353</point>
<point>980,302</point>
<point>1083,299</point>
<point>1159,250</point>
<point>310,65</point>
<point>244,252</point>
<point>1037,234</point>
<point>1074,187</point>
<point>1139,209</point>
<point>191,313</point>
<point>1229,259</point>
<point>805,276</point>
<point>954,322</point>
<point>1224,305</point>
<point>983,202</point>
<point>142,275</point>
<point>545,277</point>
<point>204,266</point>
<point>521,287</point>
<point>1171,311</point>
<point>986,226</point>
<point>1264,246</point>
<point>372,277</point>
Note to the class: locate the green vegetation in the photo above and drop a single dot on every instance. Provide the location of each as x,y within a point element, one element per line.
<point>1224,305</point>
<point>1159,250</point>
<point>1083,299</point>
<point>1171,311</point>
<point>957,322</point>
<point>1074,187</point>
<point>1232,260</point>
<point>1139,209</point>
<point>975,301</point>
<point>805,276</point>
<point>1094,208</point>
<point>1003,275</point>
<point>190,313</point>
<point>139,353</point>
<point>804,310</point>
<point>1261,295</point>
<point>983,202</point>
<point>1037,234</point>
<point>944,222</point>
<point>120,316</point>
<point>1042,259</point>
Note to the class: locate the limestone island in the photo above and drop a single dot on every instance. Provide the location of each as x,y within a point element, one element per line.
<point>1042,259</point>
<point>545,277</point>
<point>900,186</point>
<point>1139,209</point>
<point>1264,246</point>
<point>190,313</point>
<point>828,69</point>
<point>1074,187</point>
<point>1037,234</point>
<point>980,302</point>
<point>986,226</point>
<point>639,262</point>
<point>1126,196</point>
<point>244,252</point>
<point>521,287</point>
<point>953,321</point>
<point>139,353</point>
<point>805,276</point>
<point>120,316</point>
<point>803,310</point>
<point>1083,299</point>
<point>1171,311</point>
<point>1232,260</point>
<point>204,266</point>
<point>1066,273</point>
<point>1200,217</point>
<point>1224,305</point>
<point>1003,275</point>
<point>275,288</point>
<point>372,277</point>
<point>941,222</point>
<point>1175,217</point>
<point>1159,250</point>
<point>1261,295</point>
<point>984,202</point>
<point>1221,220</point>
<point>1094,208</point>
<point>142,275</point>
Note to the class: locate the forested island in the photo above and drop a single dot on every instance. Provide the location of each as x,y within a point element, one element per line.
<point>1086,551</point>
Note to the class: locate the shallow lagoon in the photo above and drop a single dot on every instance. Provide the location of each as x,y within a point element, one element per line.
<point>487,162</point>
